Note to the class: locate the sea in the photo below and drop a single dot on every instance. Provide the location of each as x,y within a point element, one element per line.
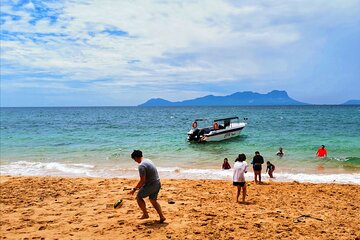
<point>98,141</point>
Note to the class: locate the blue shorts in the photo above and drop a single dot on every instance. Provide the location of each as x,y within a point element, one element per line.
<point>151,190</point>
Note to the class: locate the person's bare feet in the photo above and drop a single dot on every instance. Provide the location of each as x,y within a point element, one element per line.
<point>144,216</point>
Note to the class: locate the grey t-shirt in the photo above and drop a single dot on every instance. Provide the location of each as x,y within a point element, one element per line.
<point>148,169</point>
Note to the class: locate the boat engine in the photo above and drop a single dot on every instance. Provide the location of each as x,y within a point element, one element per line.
<point>194,136</point>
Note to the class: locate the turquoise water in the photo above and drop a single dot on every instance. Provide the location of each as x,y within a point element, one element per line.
<point>97,141</point>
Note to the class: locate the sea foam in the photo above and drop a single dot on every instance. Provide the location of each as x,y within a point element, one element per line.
<point>26,168</point>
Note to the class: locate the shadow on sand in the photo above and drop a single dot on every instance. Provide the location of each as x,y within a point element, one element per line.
<point>154,224</point>
<point>248,203</point>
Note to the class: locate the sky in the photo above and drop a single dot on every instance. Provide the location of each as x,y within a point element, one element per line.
<point>122,53</point>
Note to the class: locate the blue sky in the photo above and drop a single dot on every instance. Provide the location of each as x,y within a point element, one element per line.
<point>121,53</point>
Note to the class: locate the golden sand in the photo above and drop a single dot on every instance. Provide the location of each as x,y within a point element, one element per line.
<point>81,208</point>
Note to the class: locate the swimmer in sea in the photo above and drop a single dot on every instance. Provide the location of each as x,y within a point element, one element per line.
<point>280,153</point>
<point>321,152</point>
<point>226,164</point>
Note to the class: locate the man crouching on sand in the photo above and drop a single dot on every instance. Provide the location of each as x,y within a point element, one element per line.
<point>149,185</point>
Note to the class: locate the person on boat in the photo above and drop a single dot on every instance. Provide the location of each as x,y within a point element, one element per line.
<point>270,169</point>
<point>149,185</point>
<point>280,153</point>
<point>258,160</point>
<point>226,164</point>
<point>240,168</point>
<point>321,152</point>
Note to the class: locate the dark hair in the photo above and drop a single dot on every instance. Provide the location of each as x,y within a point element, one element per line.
<point>268,162</point>
<point>257,152</point>
<point>323,146</point>
<point>226,159</point>
<point>136,153</point>
<point>240,158</point>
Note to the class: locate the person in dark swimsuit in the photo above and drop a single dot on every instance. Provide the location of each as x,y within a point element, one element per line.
<point>270,169</point>
<point>258,160</point>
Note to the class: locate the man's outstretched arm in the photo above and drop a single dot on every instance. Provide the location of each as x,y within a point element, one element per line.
<point>139,185</point>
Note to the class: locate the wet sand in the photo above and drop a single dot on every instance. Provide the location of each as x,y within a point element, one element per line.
<point>81,208</point>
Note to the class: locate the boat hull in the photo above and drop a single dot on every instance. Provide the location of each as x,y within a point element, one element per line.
<point>209,134</point>
<point>222,135</point>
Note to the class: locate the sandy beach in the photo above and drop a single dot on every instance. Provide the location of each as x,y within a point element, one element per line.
<point>81,208</point>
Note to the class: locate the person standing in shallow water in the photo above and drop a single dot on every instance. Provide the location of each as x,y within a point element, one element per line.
<point>240,168</point>
<point>149,185</point>
<point>321,152</point>
<point>258,160</point>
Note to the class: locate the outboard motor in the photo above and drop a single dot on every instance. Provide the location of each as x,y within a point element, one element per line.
<point>194,136</point>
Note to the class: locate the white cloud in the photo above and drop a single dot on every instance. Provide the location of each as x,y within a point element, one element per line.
<point>223,39</point>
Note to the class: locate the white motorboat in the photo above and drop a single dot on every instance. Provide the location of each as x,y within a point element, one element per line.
<point>221,129</point>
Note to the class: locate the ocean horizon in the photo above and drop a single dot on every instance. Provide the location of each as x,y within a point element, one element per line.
<point>98,141</point>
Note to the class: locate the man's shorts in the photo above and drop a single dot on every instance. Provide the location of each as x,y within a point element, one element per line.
<point>257,167</point>
<point>241,184</point>
<point>151,190</point>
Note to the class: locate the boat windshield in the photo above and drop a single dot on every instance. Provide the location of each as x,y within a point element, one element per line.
<point>222,123</point>
<point>226,122</point>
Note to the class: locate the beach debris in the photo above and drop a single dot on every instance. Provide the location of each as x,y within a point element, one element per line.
<point>42,228</point>
<point>127,188</point>
<point>118,203</point>
<point>210,214</point>
<point>171,202</point>
<point>264,183</point>
<point>258,225</point>
<point>302,218</point>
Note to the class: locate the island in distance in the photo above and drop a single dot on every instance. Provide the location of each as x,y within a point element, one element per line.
<point>352,102</point>
<point>247,98</point>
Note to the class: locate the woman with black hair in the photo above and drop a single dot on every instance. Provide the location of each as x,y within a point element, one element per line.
<point>240,168</point>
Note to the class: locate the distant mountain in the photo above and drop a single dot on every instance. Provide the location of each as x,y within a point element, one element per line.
<point>237,99</point>
<point>158,102</point>
<point>352,102</point>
